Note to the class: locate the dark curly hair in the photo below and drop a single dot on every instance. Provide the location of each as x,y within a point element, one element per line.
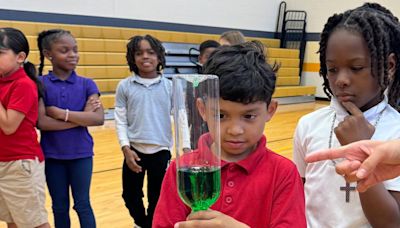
<point>134,46</point>
<point>381,31</point>
<point>244,75</point>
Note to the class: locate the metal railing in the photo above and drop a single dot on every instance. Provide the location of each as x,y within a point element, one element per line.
<point>291,29</point>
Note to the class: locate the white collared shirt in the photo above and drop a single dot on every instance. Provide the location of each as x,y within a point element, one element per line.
<point>326,204</point>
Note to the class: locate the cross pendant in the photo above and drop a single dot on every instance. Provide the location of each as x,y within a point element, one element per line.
<point>347,188</point>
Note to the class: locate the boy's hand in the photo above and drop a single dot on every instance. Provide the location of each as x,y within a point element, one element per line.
<point>92,104</point>
<point>211,219</point>
<point>354,127</point>
<point>131,157</point>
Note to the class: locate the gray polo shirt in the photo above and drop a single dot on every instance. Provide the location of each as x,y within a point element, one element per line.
<point>143,112</point>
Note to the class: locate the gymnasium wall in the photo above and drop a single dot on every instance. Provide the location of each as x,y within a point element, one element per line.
<point>253,15</point>
<point>255,18</point>
<point>318,12</point>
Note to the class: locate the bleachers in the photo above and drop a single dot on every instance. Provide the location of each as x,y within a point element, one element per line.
<point>102,55</point>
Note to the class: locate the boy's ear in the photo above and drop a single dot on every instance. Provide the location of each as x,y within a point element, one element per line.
<point>392,63</point>
<point>201,106</point>
<point>271,109</point>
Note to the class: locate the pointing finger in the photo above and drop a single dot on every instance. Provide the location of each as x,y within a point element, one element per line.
<point>327,154</point>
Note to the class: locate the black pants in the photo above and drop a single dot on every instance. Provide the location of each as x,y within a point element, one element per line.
<point>132,183</point>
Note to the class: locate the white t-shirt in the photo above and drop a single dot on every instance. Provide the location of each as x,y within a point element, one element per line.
<point>326,204</point>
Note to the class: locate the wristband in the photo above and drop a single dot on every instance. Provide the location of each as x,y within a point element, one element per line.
<point>66,115</point>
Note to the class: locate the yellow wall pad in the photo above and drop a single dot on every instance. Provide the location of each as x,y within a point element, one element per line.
<point>291,91</point>
<point>311,67</point>
<point>284,62</point>
<point>284,91</point>
<point>100,32</point>
<point>115,58</point>
<point>109,85</point>
<point>283,53</point>
<point>101,72</point>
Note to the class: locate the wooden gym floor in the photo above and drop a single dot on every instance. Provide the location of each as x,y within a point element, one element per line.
<point>106,185</point>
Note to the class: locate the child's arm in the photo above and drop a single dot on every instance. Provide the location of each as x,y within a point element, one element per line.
<point>121,125</point>
<point>381,207</point>
<point>87,117</point>
<point>210,219</point>
<point>48,123</point>
<point>184,129</point>
<point>10,120</point>
<point>299,150</point>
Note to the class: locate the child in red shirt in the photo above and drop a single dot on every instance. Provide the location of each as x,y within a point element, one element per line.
<point>258,187</point>
<point>22,180</point>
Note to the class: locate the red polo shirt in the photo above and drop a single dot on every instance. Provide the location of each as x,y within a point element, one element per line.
<point>262,190</point>
<point>18,92</point>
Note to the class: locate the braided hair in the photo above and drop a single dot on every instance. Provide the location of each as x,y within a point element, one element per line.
<point>45,40</point>
<point>133,46</point>
<point>381,31</point>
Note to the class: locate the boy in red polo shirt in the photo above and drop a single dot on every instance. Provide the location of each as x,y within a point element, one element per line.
<point>258,187</point>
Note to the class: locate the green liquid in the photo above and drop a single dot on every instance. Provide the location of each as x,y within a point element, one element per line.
<point>199,187</point>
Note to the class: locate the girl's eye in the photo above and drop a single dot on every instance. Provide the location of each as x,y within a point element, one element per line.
<point>332,70</point>
<point>221,116</point>
<point>357,68</point>
<point>64,50</point>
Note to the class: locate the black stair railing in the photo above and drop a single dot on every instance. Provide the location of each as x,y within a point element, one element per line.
<point>291,26</point>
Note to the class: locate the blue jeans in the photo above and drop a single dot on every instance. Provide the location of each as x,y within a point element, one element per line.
<point>60,176</point>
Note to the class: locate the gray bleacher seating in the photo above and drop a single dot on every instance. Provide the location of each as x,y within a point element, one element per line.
<point>181,58</point>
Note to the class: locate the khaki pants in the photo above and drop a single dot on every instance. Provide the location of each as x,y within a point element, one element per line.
<point>22,193</point>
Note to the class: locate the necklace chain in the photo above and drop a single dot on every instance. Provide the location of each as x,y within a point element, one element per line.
<point>333,127</point>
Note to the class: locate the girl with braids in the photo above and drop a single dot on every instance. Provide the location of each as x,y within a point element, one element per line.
<point>22,180</point>
<point>359,55</point>
<point>70,105</point>
<point>143,105</point>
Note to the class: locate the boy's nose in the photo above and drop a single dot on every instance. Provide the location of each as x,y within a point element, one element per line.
<point>145,55</point>
<point>235,129</point>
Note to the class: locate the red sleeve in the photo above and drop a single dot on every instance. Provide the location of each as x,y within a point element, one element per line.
<point>22,98</point>
<point>170,208</point>
<point>289,202</point>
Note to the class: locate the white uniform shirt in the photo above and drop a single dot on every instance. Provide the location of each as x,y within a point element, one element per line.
<point>326,204</point>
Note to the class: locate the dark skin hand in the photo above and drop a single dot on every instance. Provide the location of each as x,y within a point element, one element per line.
<point>131,159</point>
<point>354,127</point>
<point>385,214</point>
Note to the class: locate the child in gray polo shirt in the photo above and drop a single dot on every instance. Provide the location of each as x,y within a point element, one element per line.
<point>142,115</point>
